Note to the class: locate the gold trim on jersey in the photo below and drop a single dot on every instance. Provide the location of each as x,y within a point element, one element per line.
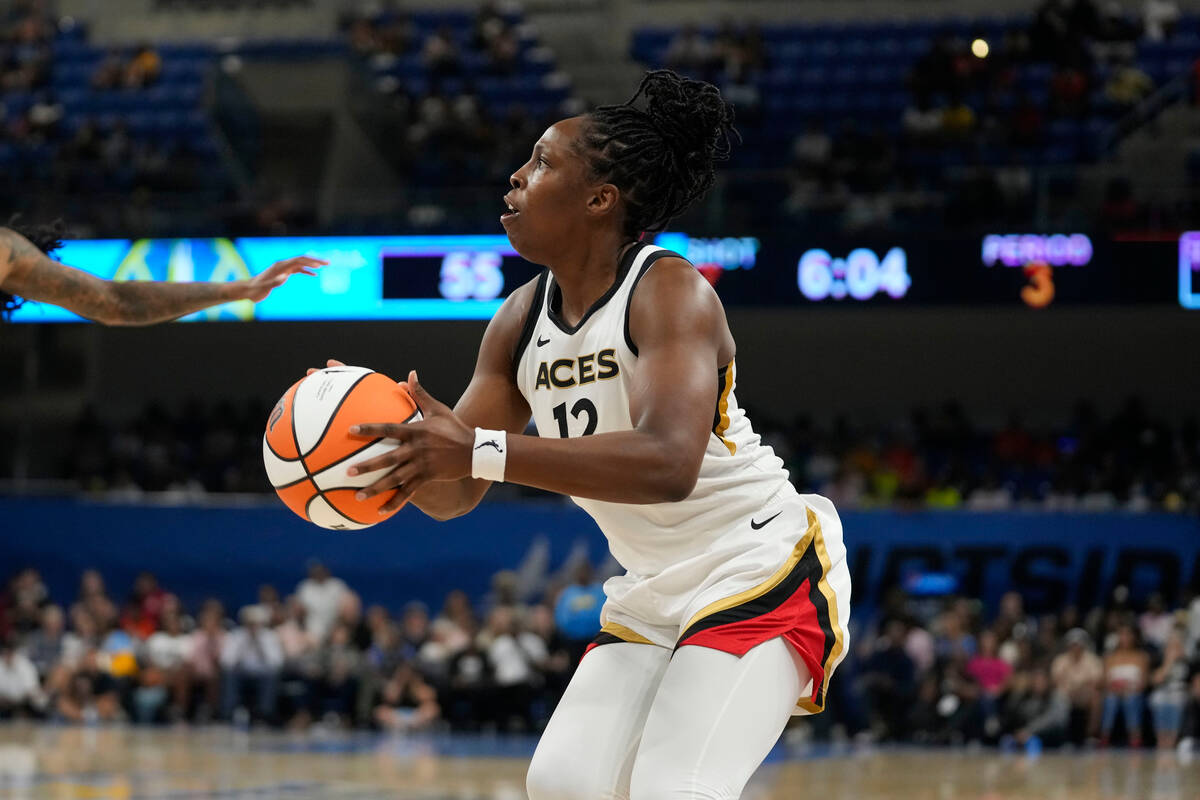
<point>625,634</point>
<point>724,387</point>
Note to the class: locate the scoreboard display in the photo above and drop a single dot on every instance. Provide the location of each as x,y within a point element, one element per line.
<point>468,277</point>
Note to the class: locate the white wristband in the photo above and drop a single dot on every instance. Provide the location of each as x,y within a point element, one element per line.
<point>489,455</point>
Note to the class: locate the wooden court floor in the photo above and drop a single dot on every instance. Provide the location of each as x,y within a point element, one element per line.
<point>59,762</point>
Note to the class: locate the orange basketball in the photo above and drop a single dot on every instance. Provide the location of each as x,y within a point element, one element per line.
<point>308,448</point>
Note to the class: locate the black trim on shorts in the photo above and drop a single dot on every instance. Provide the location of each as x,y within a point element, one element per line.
<point>531,318</point>
<point>807,568</point>
<point>646,265</point>
<point>603,637</point>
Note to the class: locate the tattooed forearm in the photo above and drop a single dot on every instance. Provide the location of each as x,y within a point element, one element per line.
<point>34,276</point>
<point>144,303</point>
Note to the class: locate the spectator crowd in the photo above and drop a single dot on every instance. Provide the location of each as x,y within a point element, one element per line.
<point>936,459</point>
<point>315,656</point>
<point>929,670</point>
<point>56,160</point>
<point>984,110</point>
<point>936,672</point>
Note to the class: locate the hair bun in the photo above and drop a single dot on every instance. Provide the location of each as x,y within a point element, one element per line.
<point>660,152</point>
<point>691,115</point>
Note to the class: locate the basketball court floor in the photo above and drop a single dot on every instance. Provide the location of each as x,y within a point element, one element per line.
<point>119,762</point>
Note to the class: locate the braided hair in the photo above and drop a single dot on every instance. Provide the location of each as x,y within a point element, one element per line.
<point>661,157</point>
<point>46,238</point>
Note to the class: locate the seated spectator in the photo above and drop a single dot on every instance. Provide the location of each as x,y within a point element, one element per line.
<point>812,149</point>
<point>958,119</point>
<point>1169,693</point>
<point>91,694</point>
<point>1126,670</point>
<point>204,660</point>
<point>922,121</point>
<point>321,595</point>
<point>301,666</point>
<point>516,658</point>
<point>1128,85</point>
<point>46,646</point>
<point>1068,91</point>
<point>1078,673</point>
<point>558,665</point>
<point>441,55</point>
<point>141,615</point>
<point>1040,710</point>
<point>21,605</point>
<point>364,39</point>
<point>337,688</point>
<point>166,679</point>
<point>470,699</point>
<point>457,612</point>
<point>268,598</point>
<point>251,659</point>
<point>887,678</point>
<point>992,673</point>
<point>143,69</point>
<point>489,23</point>
<point>446,641</point>
<point>741,89</point>
<point>503,52</point>
<point>577,611</point>
<point>109,72</point>
<point>1156,624</point>
<point>406,702</point>
<point>414,628</point>
<point>119,651</point>
<point>20,691</point>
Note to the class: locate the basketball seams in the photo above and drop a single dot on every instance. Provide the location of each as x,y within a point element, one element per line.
<point>274,452</point>
<point>311,476</point>
<point>332,414</point>
<point>332,507</point>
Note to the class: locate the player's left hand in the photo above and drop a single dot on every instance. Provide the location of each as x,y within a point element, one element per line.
<point>274,276</point>
<point>437,448</point>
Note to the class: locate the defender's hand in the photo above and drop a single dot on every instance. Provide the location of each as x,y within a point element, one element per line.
<point>274,276</point>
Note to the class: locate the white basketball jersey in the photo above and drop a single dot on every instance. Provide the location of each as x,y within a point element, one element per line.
<point>576,380</point>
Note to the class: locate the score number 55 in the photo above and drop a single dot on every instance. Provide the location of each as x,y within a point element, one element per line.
<point>471,276</point>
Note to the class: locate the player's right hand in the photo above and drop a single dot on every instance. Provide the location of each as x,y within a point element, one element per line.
<point>333,362</point>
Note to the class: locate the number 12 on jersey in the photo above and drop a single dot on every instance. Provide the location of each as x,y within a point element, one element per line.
<point>582,406</point>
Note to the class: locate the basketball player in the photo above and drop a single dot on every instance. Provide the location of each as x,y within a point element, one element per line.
<point>732,613</point>
<point>27,273</point>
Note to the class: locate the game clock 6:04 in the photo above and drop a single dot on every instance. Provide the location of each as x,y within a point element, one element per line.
<point>860,275</point>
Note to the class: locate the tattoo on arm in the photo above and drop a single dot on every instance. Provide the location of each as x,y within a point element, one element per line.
<point>34,276</point>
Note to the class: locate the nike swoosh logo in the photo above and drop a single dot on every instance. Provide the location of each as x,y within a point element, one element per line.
<point>490,443</point>
<point>542,341</point>
<point>757,525</point>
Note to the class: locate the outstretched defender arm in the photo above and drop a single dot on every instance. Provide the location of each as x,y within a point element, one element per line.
<point>28,272</point>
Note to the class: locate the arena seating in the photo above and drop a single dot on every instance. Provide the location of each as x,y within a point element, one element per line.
<point>531,83</point>
<point>834,72</point>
